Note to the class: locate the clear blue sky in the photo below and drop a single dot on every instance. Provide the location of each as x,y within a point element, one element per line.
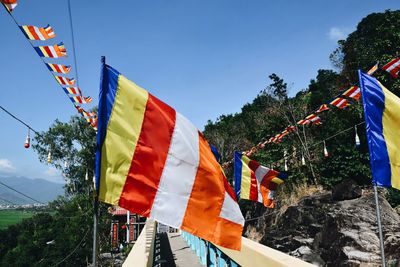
<point>204,58</point>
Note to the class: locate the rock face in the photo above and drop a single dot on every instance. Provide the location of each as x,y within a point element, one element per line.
<point>326,232</point>
<point>348,189</point>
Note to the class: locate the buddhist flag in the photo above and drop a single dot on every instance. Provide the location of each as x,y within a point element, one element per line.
<point>58,68</point>
<point>53,51</point>
<point>373,69</point>
<point>340,102</point>
<point>38,34</point>
<point>393,67</point>
<point>9,4</point>
<point>353,92</point>
<point>64,80</point>
<point>80,100</point>
<point>382,119</point>
<point>322,108</point>
<point>152,161</point>
<point>72,90</point>
<point>254,181</point>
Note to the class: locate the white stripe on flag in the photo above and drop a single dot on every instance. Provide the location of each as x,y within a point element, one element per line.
<point>355,92</point>
<point>340,104</point>
<point>37,31</point>
<point>53,51</point>
<point>260,174</point>
<point>230,210</point>
<point>178,175</point>
<point>393,66</point>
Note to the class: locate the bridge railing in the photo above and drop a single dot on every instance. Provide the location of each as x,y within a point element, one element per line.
<point>251,254</point>
<point>141,254</point>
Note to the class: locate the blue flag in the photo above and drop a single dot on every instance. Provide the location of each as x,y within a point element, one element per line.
<point>382,119</point>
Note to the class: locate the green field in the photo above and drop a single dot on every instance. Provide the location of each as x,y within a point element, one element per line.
<point>9,217</point>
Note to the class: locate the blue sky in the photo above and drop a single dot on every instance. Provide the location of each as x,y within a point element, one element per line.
<point>204,58</point>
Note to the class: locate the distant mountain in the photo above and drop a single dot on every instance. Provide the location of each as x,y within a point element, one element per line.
<point>39,189</point>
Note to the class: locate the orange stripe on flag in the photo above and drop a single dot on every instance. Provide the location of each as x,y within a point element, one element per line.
<point>202,216</point>
<point>149,157</point>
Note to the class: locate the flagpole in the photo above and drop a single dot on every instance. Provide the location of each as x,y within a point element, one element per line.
<point>378,216</point>
<point>96,205</point>
<point>95,222</point>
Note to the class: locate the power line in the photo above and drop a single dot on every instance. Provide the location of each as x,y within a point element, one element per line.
<point>15,190</point>
<point>21,121</point>
<point>328,138</point>
<point>73,42</point>
<point>41,58</point>
<point>73,251</point>
<point>5,200</point>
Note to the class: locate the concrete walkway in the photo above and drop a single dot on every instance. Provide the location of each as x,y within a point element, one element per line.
<point>183,255</point>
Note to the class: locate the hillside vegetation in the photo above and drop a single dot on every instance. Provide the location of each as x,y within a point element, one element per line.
<point>376,39</point>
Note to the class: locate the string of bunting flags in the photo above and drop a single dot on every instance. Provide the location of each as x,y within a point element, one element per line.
<point>53,51</point>
<point>341,101</point>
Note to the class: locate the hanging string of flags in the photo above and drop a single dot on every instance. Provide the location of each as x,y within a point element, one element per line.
<point>341,101</point>
<point>54,51</point>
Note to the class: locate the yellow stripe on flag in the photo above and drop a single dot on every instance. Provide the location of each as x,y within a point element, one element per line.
<point>28,32</point>
<point>123,132</point>
<point>391,130</point>
<point>44,51</point>
<point>246,179</point>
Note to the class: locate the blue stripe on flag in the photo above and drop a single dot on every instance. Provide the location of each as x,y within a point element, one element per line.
<point>238,173</point>
<point>374,105</point>
<point>108,88</point>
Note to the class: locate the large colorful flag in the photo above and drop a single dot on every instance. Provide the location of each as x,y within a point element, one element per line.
<point>152,161</point>
<point>38,34</point>
<point>9,4</point>
<point>353,92</point>
<point>382,119</point>
<point>58,68</point>
<point>254,181</point>
<point>53,51</point>
<point>393,67</point>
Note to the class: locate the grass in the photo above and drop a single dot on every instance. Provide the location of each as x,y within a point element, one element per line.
<point>9,217</point>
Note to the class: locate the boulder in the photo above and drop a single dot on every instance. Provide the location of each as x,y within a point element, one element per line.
<point>333,233</point>
<point>346,190</point>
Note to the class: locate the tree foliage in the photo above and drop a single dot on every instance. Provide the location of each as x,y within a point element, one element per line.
<point>377,38</point>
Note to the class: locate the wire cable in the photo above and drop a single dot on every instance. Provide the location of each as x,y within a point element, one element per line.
<point>21,121</point>
<point>73,251</point>
<point>10,202</point>
<point>320,142</point>
<point>41,58</point>
<point>15,190</point>
<point>73,42</point>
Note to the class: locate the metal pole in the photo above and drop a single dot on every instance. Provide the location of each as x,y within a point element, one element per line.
<point>95,221</point>
<point>128,226</point>
<point>378,217</point>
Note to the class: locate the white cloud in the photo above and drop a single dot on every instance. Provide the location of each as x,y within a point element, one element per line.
<point>336,33</point>
<point>6,166</point>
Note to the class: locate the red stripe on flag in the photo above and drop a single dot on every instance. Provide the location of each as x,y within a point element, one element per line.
<point>253,195</point>
<point>149,157</point>
<point>33,32</point>
<point>48,51</point>
<point>57,68</point>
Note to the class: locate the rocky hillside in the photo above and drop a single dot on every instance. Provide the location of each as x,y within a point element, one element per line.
<point>332,229</point>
